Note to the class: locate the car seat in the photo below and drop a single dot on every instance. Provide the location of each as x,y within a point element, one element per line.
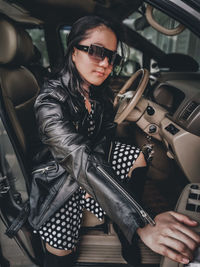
<point>35,66</point>
<point>19,87</point>
<point>18,91</point>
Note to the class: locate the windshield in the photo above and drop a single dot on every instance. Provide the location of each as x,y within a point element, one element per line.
<point>184,43</point>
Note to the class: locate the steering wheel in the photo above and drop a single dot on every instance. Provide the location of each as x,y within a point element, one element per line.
<point>127,100</point>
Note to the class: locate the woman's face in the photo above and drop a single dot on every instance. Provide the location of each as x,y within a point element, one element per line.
<point>92,71</point>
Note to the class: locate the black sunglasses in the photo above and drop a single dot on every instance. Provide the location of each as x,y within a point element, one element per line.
<point>98,53</point>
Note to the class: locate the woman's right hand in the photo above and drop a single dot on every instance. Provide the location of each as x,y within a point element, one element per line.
<point>172,236</point>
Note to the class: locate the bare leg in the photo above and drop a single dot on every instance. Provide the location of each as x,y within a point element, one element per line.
<point>58,257</point>
<point>57,252</point>
<point>140,162</point>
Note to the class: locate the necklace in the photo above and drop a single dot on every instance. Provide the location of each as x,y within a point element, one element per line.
<point>87,104</point>
<point>86,94</point>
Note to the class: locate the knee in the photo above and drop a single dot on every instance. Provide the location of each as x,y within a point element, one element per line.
<point>58,252</point>
<point>140,161</point>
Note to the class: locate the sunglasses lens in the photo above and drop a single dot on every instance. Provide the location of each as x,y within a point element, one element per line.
<point>97,52</point>
<point>111,56</point>
<point>117,60</point>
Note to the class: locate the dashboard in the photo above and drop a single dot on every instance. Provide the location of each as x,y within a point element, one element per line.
<point>182,100</point>
<point>172,116</point>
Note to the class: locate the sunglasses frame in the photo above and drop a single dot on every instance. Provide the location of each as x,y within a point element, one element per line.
<point>111,55</point>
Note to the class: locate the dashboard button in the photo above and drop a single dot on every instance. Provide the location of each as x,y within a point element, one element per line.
<point>194,186</point>
<point>190,207</point>
<point>150,110</point>
<point>171,128</point>
<point>193,196</point>
<point>152,128</point>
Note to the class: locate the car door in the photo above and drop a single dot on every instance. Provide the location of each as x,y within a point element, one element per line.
<point>14,188</point>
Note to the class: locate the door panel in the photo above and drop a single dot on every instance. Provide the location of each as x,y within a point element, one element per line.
<point>13,194</point>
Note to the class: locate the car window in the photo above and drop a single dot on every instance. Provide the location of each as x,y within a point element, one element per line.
<point>132,62</point>
<point>186,42</point>
<point>38,38</point>
<point>64,31</point>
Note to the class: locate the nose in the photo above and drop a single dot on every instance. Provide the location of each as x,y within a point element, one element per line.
<point>104,62</point>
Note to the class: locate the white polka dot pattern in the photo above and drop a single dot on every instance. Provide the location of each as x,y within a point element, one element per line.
<point>62,229</point>
<point>122,158</point>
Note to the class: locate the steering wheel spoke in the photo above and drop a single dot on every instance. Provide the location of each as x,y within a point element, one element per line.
<point>126,99</point>
<point>123,101</point>
<point>126,95</point>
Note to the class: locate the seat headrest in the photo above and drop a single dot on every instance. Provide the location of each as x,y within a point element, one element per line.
<point>16,47</point>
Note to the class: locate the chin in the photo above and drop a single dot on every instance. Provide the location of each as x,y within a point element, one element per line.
<point>97,83</point>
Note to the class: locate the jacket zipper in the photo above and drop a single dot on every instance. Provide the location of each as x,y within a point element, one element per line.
<point>43,170</point>
<point>145,216</point>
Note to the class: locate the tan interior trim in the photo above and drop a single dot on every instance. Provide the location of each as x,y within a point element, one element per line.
<point>185,148</point>
<point>158,27</point>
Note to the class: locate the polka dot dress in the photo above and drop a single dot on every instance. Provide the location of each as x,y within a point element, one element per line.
<point>61,231</point>
<point>122,158</point>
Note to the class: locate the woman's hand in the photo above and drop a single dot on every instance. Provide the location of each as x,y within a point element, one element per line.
<point>171,236</point>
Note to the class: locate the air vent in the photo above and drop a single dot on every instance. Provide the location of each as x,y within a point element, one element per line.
<point>188,111</point>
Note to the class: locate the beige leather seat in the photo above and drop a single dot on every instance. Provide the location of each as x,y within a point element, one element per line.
<point>18,86</point>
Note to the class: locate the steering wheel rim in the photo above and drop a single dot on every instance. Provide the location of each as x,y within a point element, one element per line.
<point>119,117</point>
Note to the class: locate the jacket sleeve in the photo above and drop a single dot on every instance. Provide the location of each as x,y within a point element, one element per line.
<point>75,153</point>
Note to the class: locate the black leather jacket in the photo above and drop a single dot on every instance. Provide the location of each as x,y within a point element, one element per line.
<point>61,127</point>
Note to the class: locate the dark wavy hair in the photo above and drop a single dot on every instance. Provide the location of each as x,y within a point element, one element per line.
<point>79,32</point>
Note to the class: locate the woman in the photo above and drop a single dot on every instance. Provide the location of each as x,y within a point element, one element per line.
<point>75,118</point>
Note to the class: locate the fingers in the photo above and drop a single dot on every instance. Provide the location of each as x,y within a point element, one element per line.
<point>171,254</point>
<point>188,233</point>
<point>181,247</point>
<point>183,218</point>
<point>176,234</point>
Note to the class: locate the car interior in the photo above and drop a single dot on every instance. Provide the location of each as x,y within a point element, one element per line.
<point>157,103</point>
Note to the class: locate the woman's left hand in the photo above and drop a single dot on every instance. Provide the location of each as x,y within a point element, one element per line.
<point>172,236</point>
